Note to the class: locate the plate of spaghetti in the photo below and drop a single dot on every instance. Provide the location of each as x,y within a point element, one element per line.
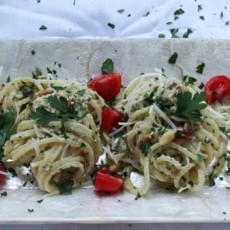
<point>110,127</point>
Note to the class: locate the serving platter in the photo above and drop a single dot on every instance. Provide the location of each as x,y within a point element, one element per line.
<point>80,60</point>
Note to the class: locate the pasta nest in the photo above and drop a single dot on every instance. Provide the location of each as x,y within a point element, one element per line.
<point>62,150</point>
<point>164,146</point>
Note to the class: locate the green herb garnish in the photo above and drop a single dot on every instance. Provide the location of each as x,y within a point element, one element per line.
<point>161,36</point>
<point>189,106</point>
<point>66,187</point>
<point>42,27</point>
<point>174,32</point>
<point>120,11</point>
<point>40,201</point>
<point>43,116</point>
<point>8,79</point>
<point>199,8</point>
<point>200,158</point>
<point>112,26</point>
<point>36,73</point>
<point>144,148</point>
<point>63,112</point>
<point>81,92</point>
<point>226,131</point>
<point>58,87</point>
<point>200,68</point>
<point>202,18</point>
<point>179,12</point>
<point>138,196</point>
<point>187,33</point>
<point>147,14</point>
<point>3,193</point>
<point>27,91</point>
<point>107,66</point>
<point>173,58</point>
<point>188,80</point>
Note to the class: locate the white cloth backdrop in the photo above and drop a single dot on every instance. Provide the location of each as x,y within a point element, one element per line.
<point>90,18</point>
<point>30,19</point>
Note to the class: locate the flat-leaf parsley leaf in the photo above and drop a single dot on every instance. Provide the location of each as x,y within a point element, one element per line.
<point>189,106</point>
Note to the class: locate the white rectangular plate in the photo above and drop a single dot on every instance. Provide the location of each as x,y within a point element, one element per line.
<point>77,59</point>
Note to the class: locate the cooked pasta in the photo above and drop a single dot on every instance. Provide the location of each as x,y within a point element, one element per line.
<point>171,134</point>
<point>57,132</point>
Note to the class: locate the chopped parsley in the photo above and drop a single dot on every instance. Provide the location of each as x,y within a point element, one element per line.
<point>202,18</point>
<point>173,58</point>
<point>179,12</point>
<point>112,26</point>
<point>187,33</point>
<point>161,36</point>
<point>226,131</point>
<point>201,86</point>
<point>120,11</point>
<point>138,196</point>
<point>200,68</point>
<point>189,106</point>
<point>4,193</point>
<point>161,130</point>
<point>66,187</point>
<point>221,15</point>
<point>42,27</point>
<point>63,112</point>
<point>174,32</point>
<point>107,66</point>
<point>58,87</point>
<point>36,73</point>
<point>199,8</point>
<point>146,14</point>
<point>30,210</point>
<point>188,80</point>
<point>144,148</point>
<point>200,158</point>
<point>8,79</point>
<point>40,201</point>
<point>27,91</point>
<point>32,52</point>
<point>81,92</point>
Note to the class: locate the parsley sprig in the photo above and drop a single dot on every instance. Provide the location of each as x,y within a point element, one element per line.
<point>64,111</point>
<point>189,106</point>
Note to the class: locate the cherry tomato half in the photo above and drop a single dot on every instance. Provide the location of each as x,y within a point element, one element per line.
<point>2,176</point>
<point>106,85</point>
<point>217,88</point>
<point>107,182</point>
<point>110,119</point>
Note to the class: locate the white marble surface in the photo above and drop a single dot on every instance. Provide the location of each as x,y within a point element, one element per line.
<point>89,19</point>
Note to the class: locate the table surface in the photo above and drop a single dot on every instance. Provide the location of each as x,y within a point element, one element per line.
<point>34,19</point>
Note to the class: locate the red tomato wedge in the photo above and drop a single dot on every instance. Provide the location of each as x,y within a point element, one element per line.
<point>106,85</point>
<point>110,119</point>
<point>107,182</point>
<point>2,176</point>
<point>217,88</point>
